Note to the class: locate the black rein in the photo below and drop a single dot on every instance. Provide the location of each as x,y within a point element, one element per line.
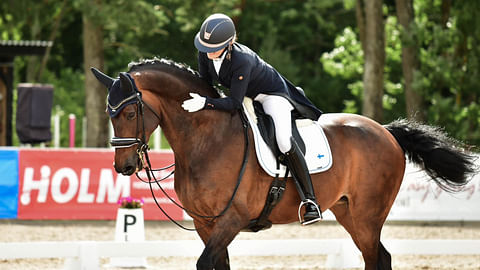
<point>142,151</point>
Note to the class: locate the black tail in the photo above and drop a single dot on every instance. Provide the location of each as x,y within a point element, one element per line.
<point>444,159</point>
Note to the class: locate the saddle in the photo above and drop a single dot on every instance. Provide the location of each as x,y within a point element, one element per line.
<point>309,136</point>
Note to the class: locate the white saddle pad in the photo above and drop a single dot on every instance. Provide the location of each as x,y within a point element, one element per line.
<point>318,155</point>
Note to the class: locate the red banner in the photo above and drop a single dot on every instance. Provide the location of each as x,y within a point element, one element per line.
<point>82,184</point>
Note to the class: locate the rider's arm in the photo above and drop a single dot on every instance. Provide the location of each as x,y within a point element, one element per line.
<point>238,89</point>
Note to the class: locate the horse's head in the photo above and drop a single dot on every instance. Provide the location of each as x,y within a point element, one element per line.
<point>132,118</point>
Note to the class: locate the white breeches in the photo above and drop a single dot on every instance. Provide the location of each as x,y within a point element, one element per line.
<point>279,108</point>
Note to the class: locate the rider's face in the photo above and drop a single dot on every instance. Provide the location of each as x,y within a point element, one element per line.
<point>215,55</point>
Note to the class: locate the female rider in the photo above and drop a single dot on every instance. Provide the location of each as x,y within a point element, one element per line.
<point>238,68</point>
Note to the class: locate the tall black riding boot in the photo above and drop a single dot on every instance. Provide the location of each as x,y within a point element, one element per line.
<point>298,167</point>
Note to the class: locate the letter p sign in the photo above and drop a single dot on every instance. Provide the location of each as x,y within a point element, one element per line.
<point>130,225</point>
<point>128,220</point>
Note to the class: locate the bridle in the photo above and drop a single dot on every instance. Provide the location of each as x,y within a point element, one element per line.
<point>142,152</point>
<point>142,145</point>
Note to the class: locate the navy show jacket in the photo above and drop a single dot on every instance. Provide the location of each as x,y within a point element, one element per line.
<point>246,74</point>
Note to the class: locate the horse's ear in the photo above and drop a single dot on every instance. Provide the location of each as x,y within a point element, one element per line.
<point>103,78</point>
<point>126,83</point>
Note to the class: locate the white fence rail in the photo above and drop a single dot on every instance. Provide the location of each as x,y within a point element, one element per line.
<point>341,252</point>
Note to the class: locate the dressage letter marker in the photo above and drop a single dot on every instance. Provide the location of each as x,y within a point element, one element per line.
<point>127,223</point>
<point>129,228</point>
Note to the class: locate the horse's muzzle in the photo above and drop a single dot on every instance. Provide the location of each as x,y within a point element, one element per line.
<point>128,169</point>
<point>127,162</point>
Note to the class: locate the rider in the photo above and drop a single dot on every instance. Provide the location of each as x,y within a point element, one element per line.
<point>238,68</point>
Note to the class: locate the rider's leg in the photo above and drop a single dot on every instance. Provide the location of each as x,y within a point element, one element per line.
<point>298,166</point>
<point>280,109</point>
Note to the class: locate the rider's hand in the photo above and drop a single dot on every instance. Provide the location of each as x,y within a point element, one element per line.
<point>194,104</point>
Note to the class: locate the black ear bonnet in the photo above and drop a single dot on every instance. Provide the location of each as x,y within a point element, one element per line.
<point>122,91</point>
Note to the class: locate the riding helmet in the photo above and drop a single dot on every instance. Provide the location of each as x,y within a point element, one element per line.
<point>215,34</point>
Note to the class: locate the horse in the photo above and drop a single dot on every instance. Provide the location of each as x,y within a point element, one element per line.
<point>209,147</point>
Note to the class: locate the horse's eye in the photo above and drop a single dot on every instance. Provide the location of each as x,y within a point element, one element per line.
<point>131,115</point>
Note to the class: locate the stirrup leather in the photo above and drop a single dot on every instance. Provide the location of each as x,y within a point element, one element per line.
<point>305,202</point>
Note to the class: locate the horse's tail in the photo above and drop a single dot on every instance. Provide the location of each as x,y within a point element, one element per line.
<point>444,159</point>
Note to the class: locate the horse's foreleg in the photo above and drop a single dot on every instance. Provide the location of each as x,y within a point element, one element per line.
<point>384,261</point>
<point>216,238</point>
<point>223,261</point>
<point>218,262</point>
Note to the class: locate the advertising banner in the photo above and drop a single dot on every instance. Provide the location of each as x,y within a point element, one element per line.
<point>82,184</point>
<point>8,183</point>
<point>420,198</point>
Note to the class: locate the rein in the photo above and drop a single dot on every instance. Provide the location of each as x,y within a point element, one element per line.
<point>142,151</point>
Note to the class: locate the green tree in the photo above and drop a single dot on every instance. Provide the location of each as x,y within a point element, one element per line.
<point>449,58</point>
<point>372,35</point>
<point>106,27</point>
<point>448,55</point>
<point>410,62</point>
<point>290,35</point>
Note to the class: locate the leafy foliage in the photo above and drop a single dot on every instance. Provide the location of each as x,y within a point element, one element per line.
<point>449,65</point>
<point>313,43</point>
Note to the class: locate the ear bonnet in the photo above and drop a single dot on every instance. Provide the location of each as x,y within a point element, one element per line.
<point>121,91</point>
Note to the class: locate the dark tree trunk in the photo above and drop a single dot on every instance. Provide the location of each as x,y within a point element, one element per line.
<point>410,63</point>
<point>374,55</point>
<point>95,93</point>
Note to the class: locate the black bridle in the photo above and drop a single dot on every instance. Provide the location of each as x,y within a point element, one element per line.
<point>142,152</point>
<point>142,145</point>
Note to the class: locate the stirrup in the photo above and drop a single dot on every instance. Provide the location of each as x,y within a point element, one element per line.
<point>305,202</point>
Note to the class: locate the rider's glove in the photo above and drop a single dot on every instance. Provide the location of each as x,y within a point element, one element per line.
<point>194,104</point>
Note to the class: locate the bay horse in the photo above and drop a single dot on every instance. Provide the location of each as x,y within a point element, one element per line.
<point>368,162</point>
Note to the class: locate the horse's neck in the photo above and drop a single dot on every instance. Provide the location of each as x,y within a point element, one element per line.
<point>192,135</point>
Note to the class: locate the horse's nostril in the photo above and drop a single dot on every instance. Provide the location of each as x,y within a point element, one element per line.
<point>117,170</point>
<point>128,170</point>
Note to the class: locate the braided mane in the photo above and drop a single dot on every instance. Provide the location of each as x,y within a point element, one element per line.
<point>161,62</point>
<point>178,69</point>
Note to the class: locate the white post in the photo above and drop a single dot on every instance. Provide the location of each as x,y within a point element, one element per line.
<point>157,139</point>
<point>72,119</point>
<point>87,258</point>
<point>56,130</point>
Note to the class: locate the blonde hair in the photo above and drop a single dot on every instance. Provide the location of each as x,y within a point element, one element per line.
<point>229,47</point>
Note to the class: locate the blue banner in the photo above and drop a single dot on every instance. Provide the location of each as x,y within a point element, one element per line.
<point>8,183</point>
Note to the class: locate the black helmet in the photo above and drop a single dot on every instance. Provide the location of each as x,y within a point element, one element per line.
<point>216,33</point>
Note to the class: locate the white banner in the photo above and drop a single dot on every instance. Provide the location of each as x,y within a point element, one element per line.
<point>420,198</point>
